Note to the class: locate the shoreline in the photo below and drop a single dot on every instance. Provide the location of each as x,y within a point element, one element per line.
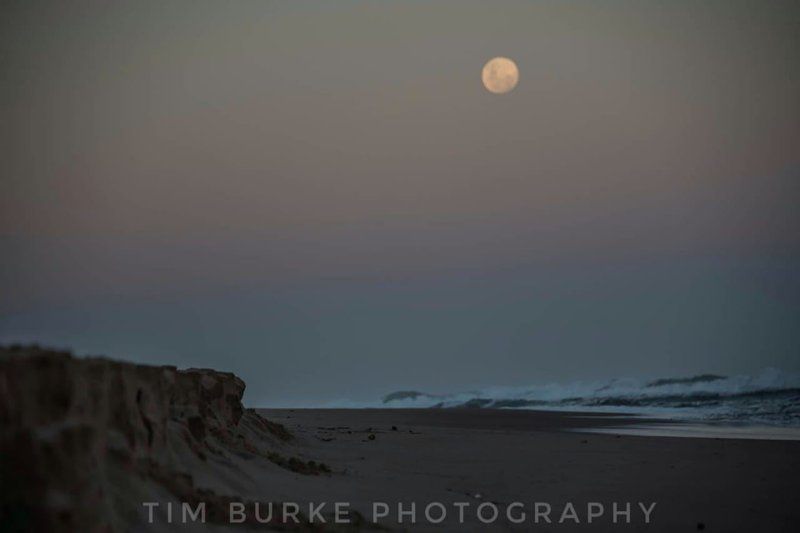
<point>609,422</point>
<point>691,430</point>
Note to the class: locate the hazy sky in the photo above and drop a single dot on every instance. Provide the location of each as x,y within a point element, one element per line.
<point>323,198</point>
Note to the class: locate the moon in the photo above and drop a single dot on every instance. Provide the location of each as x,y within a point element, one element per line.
<point>500,75</point>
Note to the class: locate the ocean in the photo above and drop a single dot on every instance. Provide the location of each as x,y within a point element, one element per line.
<point>770,398</point>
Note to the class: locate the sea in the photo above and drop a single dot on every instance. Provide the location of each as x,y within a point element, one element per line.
<point>768,398</point>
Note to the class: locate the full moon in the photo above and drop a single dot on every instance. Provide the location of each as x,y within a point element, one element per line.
<point>500,75</point>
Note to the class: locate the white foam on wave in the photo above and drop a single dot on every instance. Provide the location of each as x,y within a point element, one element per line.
<point>753,398</point>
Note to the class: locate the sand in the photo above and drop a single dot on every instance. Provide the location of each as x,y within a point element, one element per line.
<point>508,456</point>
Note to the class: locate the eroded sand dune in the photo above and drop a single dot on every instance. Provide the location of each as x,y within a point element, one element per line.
<point>85,441</point>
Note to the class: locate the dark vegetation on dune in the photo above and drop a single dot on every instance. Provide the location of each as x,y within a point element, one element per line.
<point>83,441</point>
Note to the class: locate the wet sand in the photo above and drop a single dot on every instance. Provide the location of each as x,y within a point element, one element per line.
<point>499,457</point>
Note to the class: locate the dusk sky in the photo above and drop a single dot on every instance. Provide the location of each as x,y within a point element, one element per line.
<point>323,198</point>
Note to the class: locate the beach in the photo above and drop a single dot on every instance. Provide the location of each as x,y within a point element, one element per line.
<point>505,457</point>
<point>92,444</point>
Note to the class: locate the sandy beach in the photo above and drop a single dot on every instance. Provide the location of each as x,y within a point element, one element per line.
<point>91,444</point>
<point>507,456</point>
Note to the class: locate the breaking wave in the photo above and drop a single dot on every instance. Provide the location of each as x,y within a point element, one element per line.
<point>770,397</point>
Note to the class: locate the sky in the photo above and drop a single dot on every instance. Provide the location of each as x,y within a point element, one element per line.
<point>323,198</point>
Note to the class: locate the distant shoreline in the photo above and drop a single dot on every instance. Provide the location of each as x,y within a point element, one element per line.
<point>628,423</point>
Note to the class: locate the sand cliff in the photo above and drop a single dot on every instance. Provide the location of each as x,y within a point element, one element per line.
<point>83,441</point>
